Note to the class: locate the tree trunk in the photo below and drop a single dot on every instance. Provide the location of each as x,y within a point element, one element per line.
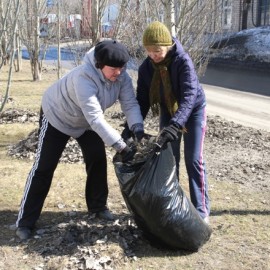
<point>96,35</point>
<point>18,58</point>
<point>7,42</point>
<point>35,68</point>
<point>119,18</point>
<point>246,5</point>
<point>170,15</point>
<point>36,72</point>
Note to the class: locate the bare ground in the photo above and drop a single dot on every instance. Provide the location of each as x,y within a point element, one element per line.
<point>238,164</point>
<point>66,237</point>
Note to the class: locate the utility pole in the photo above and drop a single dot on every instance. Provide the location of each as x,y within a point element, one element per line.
<point>58,41</point>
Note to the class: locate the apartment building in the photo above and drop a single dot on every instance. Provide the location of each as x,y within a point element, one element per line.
<point>238,15</point>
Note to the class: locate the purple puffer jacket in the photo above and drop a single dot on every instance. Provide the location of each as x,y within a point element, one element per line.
<point>185,85</point>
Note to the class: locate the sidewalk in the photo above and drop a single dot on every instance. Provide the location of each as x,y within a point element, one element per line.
<point>248,109</point>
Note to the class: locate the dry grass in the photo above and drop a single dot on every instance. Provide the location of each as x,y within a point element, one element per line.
<point>24,91</point>
<point>240,217</point>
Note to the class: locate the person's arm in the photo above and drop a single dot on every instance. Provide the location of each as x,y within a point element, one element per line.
<point>129,103</point>
<point>131,109</point>
<point>91,108</point>
<point>86,90</point>
<point>188,86</point>
<point>143,88</point>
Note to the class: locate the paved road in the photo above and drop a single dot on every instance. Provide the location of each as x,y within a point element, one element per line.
<point>248,109</point>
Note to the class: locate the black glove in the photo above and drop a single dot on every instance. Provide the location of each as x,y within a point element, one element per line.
<point>139,135</point>
<point>168,134</point>
<point>126,133</point>
<point>127,154</point>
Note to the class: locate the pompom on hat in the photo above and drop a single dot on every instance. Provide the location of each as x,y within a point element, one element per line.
<point>157,34</point>
<point>111,53</point>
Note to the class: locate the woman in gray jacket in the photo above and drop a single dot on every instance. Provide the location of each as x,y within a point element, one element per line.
<point>74,106</point>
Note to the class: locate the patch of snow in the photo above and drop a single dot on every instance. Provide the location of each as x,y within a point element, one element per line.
<point>258,42</point>
<point>250,43</point>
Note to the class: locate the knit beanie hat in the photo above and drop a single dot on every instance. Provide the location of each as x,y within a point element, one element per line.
<point>157,34</point>
<point>111,53</point>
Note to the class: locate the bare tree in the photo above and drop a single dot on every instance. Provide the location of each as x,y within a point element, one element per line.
<point>169,18</point>
<point>95,23</point>
<point>128,27</point>
<point>123,6</point>
<point>9,15</point>
<point>197,25</point>
<point>132,19</point>
<point>31,13</point>
<point>76,46</point>
<point>194,22</point>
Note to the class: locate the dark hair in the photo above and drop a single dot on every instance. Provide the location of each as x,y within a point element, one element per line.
<point>99,65</point>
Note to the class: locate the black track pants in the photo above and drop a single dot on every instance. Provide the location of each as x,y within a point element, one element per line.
<point>51,144</point>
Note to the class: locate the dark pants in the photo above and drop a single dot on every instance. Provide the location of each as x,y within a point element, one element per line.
<point>51,144</point>
<point>193,154</point>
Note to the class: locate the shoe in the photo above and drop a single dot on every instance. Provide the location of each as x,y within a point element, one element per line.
<point>23,233</point>
<point>206,220</point>
<point>105,214</point>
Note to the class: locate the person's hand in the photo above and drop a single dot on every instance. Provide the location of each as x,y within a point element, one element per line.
<point>136,132</point>
<point>126,133</point>
<point>127,154</point>
<point>168,134</point>
<point>139,136</point>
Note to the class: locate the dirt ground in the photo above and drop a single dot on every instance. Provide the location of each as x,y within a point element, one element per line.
<point>67,237</point>
<point>238,165</point>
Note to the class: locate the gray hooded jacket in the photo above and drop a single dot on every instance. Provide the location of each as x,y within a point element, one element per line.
<point>77,101</point>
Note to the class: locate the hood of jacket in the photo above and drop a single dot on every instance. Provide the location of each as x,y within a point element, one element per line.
<point>179,50</point>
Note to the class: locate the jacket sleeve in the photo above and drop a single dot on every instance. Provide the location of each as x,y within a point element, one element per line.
<point>87,91</point>
<point>143,88</point>
<point>186,89</point>
<point>129,103</point>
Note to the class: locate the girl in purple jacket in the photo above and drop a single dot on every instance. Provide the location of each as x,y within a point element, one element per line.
<point>169,86</point>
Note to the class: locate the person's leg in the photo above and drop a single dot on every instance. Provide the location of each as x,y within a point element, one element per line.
<point>193,150</point>
<point>96,191</point>
<point>51,144</point>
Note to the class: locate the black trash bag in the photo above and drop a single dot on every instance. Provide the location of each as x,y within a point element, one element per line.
<point>158,204</point>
